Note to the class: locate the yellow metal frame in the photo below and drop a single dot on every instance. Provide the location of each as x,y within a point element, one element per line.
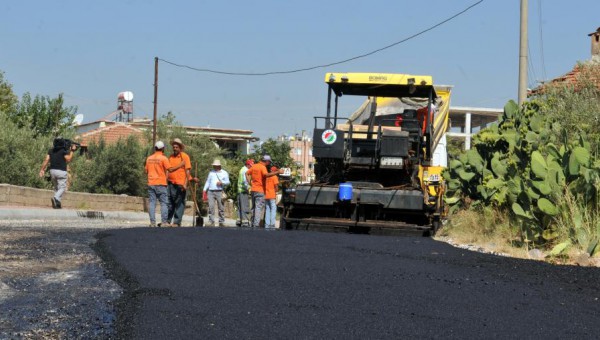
<point>433,189</point>
<point>378,79</point>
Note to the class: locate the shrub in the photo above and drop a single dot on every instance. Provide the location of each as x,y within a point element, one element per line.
<point>22,154</point>
<point>538,167</point>
<point>111,169</point>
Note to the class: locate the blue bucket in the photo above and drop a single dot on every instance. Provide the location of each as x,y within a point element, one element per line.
<point>345,192</point>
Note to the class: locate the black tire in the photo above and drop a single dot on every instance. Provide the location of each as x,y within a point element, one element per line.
<point>435,226</point>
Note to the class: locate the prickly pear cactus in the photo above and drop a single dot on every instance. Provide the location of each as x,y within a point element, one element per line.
<point>523,164</point>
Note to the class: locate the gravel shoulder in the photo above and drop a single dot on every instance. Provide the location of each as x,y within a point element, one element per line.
<point>52,284</point>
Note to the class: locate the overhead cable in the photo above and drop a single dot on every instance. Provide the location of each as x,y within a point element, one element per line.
<point>207,70</point>
<point>541,40</point>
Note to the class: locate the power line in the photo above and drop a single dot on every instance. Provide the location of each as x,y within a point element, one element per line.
<point>541,39</point>
<point>330,64</point>
<point>533,80</point>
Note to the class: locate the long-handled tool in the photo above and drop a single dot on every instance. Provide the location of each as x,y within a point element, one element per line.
<point>198,221</point>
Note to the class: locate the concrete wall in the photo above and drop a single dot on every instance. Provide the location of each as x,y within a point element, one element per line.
<point>30,197</point>
<point>12,195</point>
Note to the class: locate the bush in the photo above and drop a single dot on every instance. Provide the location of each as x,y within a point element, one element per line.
<point>21,154</point>
<point>539,167</point>
<point>576,107</point>
<point>111,169</point>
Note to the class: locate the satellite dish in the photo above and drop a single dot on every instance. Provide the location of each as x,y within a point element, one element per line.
<point>78,119</point>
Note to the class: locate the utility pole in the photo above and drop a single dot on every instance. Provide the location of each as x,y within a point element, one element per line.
<point>155,100</point>
<point>523,54</point>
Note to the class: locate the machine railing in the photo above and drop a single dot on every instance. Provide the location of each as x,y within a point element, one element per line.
<point>335,119</point>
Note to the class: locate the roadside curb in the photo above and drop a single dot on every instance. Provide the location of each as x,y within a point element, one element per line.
<point>11,213</point>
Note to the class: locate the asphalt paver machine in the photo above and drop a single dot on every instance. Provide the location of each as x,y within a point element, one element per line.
<point>378,170</point>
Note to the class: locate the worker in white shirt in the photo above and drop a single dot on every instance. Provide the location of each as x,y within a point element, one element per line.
<point>217,181</point>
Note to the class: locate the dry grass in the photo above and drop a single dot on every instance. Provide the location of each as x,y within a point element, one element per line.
<point>578,224</point>
<point>489,229</point>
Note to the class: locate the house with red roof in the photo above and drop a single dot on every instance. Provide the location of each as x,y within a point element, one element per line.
<point>588,70</point>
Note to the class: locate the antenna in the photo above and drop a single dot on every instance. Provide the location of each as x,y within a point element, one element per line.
<point>78,119</point>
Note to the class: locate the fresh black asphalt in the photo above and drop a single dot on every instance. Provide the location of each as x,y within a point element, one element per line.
<point>253,284</point>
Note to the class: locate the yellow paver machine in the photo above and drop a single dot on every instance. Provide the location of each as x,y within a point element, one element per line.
<point>378,170</point>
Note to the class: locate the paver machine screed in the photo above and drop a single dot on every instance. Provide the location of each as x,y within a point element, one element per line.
<point>378,170</point>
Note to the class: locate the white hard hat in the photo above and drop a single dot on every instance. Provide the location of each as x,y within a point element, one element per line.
<point>159,145</point>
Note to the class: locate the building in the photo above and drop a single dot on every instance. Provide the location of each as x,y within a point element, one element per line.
<point>301,152</point>
<point>571,78</point>
<point>110,133</point>
<point>466,121</point>
<point>231,140</point>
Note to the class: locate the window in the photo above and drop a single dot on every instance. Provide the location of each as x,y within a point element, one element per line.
<point>298,151</point>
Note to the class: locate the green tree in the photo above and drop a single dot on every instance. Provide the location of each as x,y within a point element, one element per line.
<point>44,115</point>
<point>279,152</point>
<point>21,154</point>
<point>111,169</point>
<point>8,100</point>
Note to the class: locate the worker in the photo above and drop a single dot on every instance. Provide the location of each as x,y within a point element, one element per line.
<point>156,167</point>
<point>271,185</point>
<point>177,182</point>
<point>257,176</point>
<point>216,182</point>
<point>243,203</point>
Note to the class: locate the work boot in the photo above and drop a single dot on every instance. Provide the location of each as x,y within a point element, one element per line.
<point>221,224</point>
<point>152,225</point>
<point>55,203</point>
<point>211,224</point>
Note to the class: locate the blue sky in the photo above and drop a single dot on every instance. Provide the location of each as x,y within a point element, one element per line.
<point>90,51</point>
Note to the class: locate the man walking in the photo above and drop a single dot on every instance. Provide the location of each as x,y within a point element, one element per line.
<point>58,157</point>
<point>257,176</point>
<point>178,181</point>
<point>242,200</point>
<point>156,167</point>
<point>217,181</point>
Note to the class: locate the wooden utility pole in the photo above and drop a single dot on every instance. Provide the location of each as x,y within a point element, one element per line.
<point>523,54</point>
<point>154,120</point>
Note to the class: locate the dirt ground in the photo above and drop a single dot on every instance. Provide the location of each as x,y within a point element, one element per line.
<point>52,284</point>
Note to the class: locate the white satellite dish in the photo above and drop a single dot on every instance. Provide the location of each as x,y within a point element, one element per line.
<point>78,119</point>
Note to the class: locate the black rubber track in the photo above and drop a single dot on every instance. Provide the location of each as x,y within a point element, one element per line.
<point>229,283</point>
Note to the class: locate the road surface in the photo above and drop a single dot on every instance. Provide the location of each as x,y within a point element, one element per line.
<point>214,283</point>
